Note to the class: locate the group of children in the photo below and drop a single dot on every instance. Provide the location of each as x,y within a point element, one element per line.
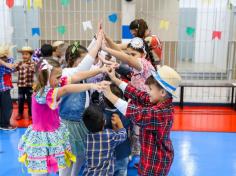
<point>96,107</point>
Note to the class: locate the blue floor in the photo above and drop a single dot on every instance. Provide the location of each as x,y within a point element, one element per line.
<point>196,154</point>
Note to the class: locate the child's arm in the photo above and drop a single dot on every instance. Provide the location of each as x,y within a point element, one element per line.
<point>7,67</point>
<point>88,60</point>
<point>112,44</point>
<point>121,134</point>
<point>75,88</point>
<point>131,61</point>
<point>79,76</point>
<point>116,122</point>
<point>137,96</point>
<point>142,116</point>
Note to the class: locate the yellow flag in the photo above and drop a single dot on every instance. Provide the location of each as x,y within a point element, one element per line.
<point>164,24</point>
<point>28,4</point>
<point>38,3</point>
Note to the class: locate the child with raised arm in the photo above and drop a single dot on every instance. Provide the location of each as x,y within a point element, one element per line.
<point>153,112</point>
<point>45,146</point>
<point>100,143</point>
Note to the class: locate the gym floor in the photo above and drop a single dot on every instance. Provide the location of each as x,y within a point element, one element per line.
<point>197,153</point>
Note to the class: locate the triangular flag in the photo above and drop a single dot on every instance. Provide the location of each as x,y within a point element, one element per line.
<point>65,2</point>
<point>190,31</point>
<point>28,4</point>
<point>216,35</point>
<point>61,29</point>
<point>35,31</point>
<point>113,17</point>
<point>10,3</point>
<point>38,3</point>
<point>164,24</point>
<point>87,25</point>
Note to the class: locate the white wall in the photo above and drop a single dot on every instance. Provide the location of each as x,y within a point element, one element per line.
<point>5,23</point>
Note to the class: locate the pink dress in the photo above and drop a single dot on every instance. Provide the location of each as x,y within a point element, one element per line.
<point>45,146</point>
<point>139,77</point>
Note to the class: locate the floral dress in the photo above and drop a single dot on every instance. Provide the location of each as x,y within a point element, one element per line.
<point>45,147</point>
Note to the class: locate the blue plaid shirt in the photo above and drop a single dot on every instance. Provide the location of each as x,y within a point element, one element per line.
<point>100,149</point>
<point>5,73</point>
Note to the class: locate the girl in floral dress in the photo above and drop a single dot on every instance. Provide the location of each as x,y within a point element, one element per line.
<point>45,147</point>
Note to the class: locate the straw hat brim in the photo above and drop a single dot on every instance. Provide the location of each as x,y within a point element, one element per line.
<point>173,93</point>
<point>30,51</point>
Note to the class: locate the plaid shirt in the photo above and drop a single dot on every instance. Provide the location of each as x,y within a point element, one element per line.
<point>100,149</point>
<point>26,74</point>
<point>5,77</point>
<point>155,123</point>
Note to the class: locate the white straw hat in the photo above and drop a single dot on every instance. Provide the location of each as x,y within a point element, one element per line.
<point>57,43</point>
<point>26,49</point>
<point>168,78</point>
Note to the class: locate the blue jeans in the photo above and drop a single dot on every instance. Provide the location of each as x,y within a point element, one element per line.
<point>121,167</point>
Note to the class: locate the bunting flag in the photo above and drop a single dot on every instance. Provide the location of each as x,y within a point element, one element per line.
<point>216,35</point>
<point>65,2</point>
<point>61,29</point>
<point>87,25</point>
<point>113,18</point>
<point>36,31</point>
<point>29,4</point>
<point>10,3</point>
<point>164,24</point>
<point>190,31</point>
<point>38,4</point>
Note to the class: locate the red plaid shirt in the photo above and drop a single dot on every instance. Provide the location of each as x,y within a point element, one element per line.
<point>26,74</point>
<point>155,121</point>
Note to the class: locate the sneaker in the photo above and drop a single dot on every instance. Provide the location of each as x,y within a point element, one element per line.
<point>9,128</point>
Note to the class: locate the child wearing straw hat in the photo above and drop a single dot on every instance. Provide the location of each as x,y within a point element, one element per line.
<point>153,112</point>
<point>6,69</point>
<point>59,49</point>
<point>26,70</point>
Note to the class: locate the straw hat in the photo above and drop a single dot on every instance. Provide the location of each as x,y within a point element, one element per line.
<point>57,43</point>
<point>26,49</point>
<point>168,78</point>
<point>6,50</point>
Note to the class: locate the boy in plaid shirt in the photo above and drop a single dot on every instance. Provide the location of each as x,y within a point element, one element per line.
<point>153,112</point>
<point>101,143</point>
<point>26,70</point>
<point>6,69</point>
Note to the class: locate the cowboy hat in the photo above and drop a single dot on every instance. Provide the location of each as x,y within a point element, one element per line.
<point>168,78</point>
<point>26,49</point>
<point>6,50</point>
